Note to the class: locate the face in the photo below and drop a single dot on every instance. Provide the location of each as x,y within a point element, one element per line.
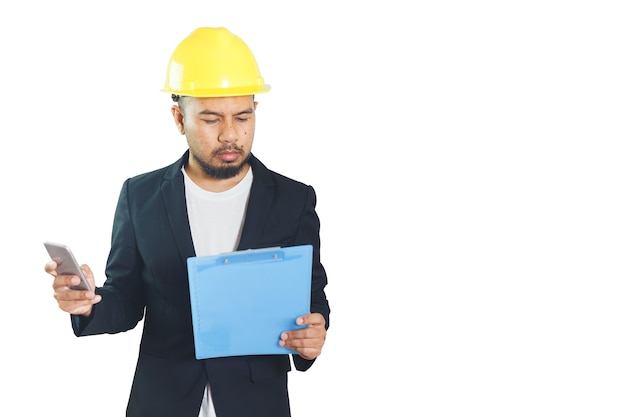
<point>219,132</point>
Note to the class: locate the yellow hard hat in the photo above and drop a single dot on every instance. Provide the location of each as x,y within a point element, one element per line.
<point>213,62</point>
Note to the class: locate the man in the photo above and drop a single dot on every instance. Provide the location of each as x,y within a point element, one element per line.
<point>216,198</point>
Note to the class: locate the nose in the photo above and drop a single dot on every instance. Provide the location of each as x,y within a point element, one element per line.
<point>228,134</point>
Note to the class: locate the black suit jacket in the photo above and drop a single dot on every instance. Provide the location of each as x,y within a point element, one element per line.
<point>147,276</point>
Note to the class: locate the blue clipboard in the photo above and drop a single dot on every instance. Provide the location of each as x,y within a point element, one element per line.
<point>242,301</point>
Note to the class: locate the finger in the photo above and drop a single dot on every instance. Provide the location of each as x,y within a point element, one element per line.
<point>69,295</point>
<point>61,281</point>
<point>311,319</point>
<point>307,342</point>
<point>302,344</point>
<point>307,348</point>
<point>86,270</point>
<point>89,275</point>
<point>309,353</point>
<point>69,303</point>
<point>312,333</point>
<point>79,307</point>
<point>63,292</point>
<point>297,343</point>
<point>51,268</point>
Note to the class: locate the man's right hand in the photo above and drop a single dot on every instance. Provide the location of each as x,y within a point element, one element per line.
<point>73,301</point>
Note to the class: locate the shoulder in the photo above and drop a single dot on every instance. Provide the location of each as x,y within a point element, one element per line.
<point>273,178</point>
<point>167,173</point>
<point>285,192</point>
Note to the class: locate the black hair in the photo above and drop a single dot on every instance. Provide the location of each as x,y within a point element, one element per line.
<point>179,99</point>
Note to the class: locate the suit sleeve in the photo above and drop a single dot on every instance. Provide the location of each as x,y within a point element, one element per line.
<point>309,233</point>
<point>122,305</point>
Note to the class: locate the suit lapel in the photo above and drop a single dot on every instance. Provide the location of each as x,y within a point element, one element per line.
<point>173,192</point>
<point>259,203</point>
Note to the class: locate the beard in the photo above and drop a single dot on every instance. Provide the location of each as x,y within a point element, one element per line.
<point>226,170</point>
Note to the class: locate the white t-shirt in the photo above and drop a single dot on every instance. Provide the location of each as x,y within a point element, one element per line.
<point>216,220</point>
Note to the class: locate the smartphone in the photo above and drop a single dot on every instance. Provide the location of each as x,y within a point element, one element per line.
<point>66,264</point>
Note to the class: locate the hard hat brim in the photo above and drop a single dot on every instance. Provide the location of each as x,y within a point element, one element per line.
<point>220,92</point>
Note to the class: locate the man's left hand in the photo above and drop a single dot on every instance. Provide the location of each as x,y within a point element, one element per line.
<point>308,341</point>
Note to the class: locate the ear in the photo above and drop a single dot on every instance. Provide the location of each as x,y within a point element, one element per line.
<point>179,119</point>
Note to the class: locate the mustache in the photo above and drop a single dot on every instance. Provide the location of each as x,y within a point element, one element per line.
<point>228,148</point>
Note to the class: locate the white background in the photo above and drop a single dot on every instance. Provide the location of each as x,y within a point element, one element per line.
<point>469,164</point>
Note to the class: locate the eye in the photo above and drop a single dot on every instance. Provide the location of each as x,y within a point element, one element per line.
<point>210,121</point>
<point>242,119</point>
